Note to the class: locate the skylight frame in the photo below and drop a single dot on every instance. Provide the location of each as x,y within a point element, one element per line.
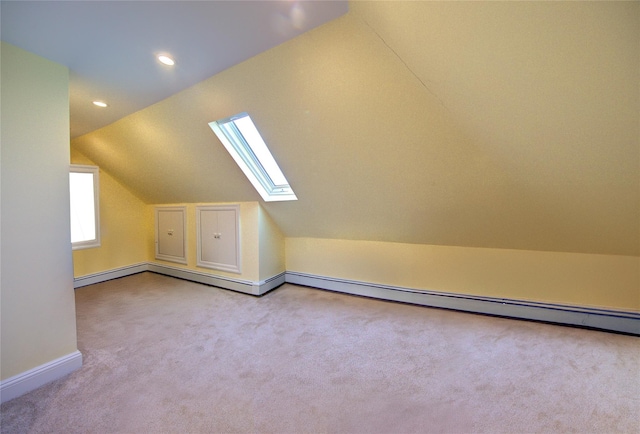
<point>260,172</point>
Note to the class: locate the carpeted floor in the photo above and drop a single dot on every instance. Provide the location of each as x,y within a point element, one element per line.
<point>163,355</point>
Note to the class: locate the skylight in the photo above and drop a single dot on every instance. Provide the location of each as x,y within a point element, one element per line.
<point>243,141</point>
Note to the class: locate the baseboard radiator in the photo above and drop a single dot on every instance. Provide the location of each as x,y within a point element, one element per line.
<point>258,288</point>
<point>601,319</point>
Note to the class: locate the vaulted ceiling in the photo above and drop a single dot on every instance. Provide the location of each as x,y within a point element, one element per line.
<point>110,46</point>
<point>483,124</point>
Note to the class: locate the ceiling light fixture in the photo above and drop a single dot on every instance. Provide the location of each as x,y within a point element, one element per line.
<point>100,104</point>
<point>166,60</point>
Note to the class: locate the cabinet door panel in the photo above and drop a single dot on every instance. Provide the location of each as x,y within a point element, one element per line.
<point>227,236</point>
<point>208,230</point>
<point>170,235</point>
<point>218,237</point>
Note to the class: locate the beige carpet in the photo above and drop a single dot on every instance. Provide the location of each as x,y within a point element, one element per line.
<point>163,355</point>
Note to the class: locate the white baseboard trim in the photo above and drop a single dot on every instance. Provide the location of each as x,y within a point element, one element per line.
<point>264,286</point>
<point>39,376</point>
<point>603,319</point>
<point>239,285</point>
<point>610,320</point>
<point>115,273</point>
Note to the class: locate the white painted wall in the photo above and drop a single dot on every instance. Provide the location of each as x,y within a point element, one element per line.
<point>38,307</point>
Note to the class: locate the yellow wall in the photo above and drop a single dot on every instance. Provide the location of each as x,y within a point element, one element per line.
<point>587,280</point>
<point>128,235</point>
<point>124,228</point>
<point>510,125</point>
<point>249,241</point>
<point>38,323</point>
<point>272,254</point>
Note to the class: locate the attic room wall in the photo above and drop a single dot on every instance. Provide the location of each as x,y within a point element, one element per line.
<point>272,246</point>
<point>128,233</point>
<point>508,130</point>
<point>583,280</point>
<point>382,142</point>
<point>125,225</point>
<point>38,305</point>
<point>249,242</point>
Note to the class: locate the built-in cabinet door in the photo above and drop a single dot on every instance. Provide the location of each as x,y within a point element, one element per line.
<point>219,237</point>
<point>170,234</point>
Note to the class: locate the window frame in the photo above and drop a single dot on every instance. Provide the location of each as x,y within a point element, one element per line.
<point>248,161</point>
<point>95,171</point>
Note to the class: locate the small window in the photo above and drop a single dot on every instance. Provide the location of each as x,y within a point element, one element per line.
<point>243,141</point>
<point>85,211</point>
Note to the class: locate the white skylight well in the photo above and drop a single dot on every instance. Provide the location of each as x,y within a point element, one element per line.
<point>241,138</point>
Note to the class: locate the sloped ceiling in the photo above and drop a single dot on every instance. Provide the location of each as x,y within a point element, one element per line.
<point>483,124</point>
<point>110,46</point>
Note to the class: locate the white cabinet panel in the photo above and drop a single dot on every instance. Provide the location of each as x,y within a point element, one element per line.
<point>227,251</point>
<point>208,226</point>
<point>219,237</point>
<point>170,234</point>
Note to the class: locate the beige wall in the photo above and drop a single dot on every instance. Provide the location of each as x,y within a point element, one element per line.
<point>402,124</point>
<point>261,241</point>
<point>510,125</point>
<point>603,281</point>
<point>249,241</point>
<point>38,306</point>
<point>124,228</point>
<point>128,235</point>
<point>272,254</point>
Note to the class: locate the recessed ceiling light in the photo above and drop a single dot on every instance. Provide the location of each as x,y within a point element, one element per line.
<point>100,103</point>
<point>166,60</point>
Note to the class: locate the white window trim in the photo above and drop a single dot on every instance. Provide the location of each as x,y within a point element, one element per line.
<point>246,159</point>
<point>79,168</point>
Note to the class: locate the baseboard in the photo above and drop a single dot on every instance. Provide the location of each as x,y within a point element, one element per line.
<point>264,286</point>
<point>39,376</point>
<point>115,273</point>
<point>610,320</point>
<point>239,285</point>
<point>602,319</point>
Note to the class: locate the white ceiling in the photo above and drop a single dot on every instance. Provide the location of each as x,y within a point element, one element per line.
<point>110,46</point>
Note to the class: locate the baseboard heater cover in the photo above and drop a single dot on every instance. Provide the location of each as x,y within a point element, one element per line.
<point>610,320</point>
<point>602,319</point>
<point>245,286</point>
<point>115,273</point>
<point>39,376</point>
